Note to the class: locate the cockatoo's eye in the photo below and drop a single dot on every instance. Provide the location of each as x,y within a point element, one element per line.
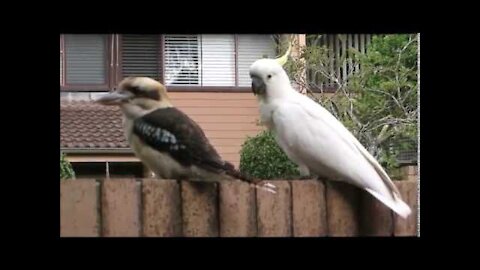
<point>269,76</point>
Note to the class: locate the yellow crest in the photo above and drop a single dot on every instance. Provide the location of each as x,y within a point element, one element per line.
<point>284,58</point>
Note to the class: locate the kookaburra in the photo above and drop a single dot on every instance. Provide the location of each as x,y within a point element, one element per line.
<point>164,138</point>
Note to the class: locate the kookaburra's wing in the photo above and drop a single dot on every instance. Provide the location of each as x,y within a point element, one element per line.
<point>171,131</point>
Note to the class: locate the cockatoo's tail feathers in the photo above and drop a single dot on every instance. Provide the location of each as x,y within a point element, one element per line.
<point>397,205</point>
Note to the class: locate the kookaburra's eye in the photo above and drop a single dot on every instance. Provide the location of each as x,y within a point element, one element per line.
<point>269,76</point>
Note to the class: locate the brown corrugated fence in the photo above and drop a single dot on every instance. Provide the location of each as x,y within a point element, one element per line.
<point>170,208</point>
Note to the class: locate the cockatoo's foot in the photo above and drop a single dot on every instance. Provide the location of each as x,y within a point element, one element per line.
<point>266,187</point>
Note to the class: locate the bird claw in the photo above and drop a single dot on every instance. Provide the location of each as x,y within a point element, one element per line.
<point>270,185</point>
<point>267,187</point>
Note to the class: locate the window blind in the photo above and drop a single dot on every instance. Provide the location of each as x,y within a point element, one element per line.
<point>141,56</point>
<point>182,57</point>
<point>217,60</point>
<point>250,49</point>
<point>85,57</point>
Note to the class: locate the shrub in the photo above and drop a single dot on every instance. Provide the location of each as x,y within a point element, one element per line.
<point>66,170</point>
<point>262,158</point>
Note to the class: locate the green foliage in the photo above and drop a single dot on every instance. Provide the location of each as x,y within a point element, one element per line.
<point>378,103</point>
<point>66,170</point>
<point>261,157</point>
<point>386,88</point>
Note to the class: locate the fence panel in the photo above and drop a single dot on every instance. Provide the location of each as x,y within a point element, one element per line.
<point>237,209</point>
<point>120,207</point>
<point>309,212</point>
<point>274,217</point>
<point>162,208</point>
<point>78,208</point>
<point>169,208</point>
<point>199,209</point>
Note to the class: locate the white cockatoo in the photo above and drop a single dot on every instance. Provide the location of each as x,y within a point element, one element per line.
<point>314,139</point>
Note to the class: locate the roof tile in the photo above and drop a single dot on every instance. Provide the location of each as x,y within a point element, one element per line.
<point>84,124</point>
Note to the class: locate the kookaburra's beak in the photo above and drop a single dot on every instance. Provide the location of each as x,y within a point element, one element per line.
<point>114,98</point>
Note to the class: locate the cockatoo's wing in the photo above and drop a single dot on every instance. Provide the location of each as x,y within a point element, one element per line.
<point>316,138</point>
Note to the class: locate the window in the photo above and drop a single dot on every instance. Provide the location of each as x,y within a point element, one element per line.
<point>204,60</point>
<point>84,61</point>
<point>99,62</point>
<point>218,60</point>
<point>251,48</point>
<point>182,54</point>
<point>141,56</point>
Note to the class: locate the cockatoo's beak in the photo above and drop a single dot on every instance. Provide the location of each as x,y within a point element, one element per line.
<point>258,86</point>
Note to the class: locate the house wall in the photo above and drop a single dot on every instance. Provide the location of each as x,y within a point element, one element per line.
<point>226,118</point>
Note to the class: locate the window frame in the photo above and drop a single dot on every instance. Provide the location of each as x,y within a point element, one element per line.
<point>109,49</point>
<point>114,70</point>
<point>209,89</point>
<point>62,56</point>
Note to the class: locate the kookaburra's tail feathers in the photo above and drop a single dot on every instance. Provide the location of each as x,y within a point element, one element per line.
<point>231,171</point>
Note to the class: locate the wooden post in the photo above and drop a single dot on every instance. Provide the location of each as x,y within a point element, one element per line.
<point>342,209</point>
<point>309,211</point>
<point>161,208</point>
<point>274,211</point>
<point>376,218</point>
<point>121,207</point>
<point>78,208</point>
<point>408,191</point>
<point>199,207</point>
<point>237,209</point>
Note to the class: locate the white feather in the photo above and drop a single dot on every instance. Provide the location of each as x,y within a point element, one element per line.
<point>312,137</point>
